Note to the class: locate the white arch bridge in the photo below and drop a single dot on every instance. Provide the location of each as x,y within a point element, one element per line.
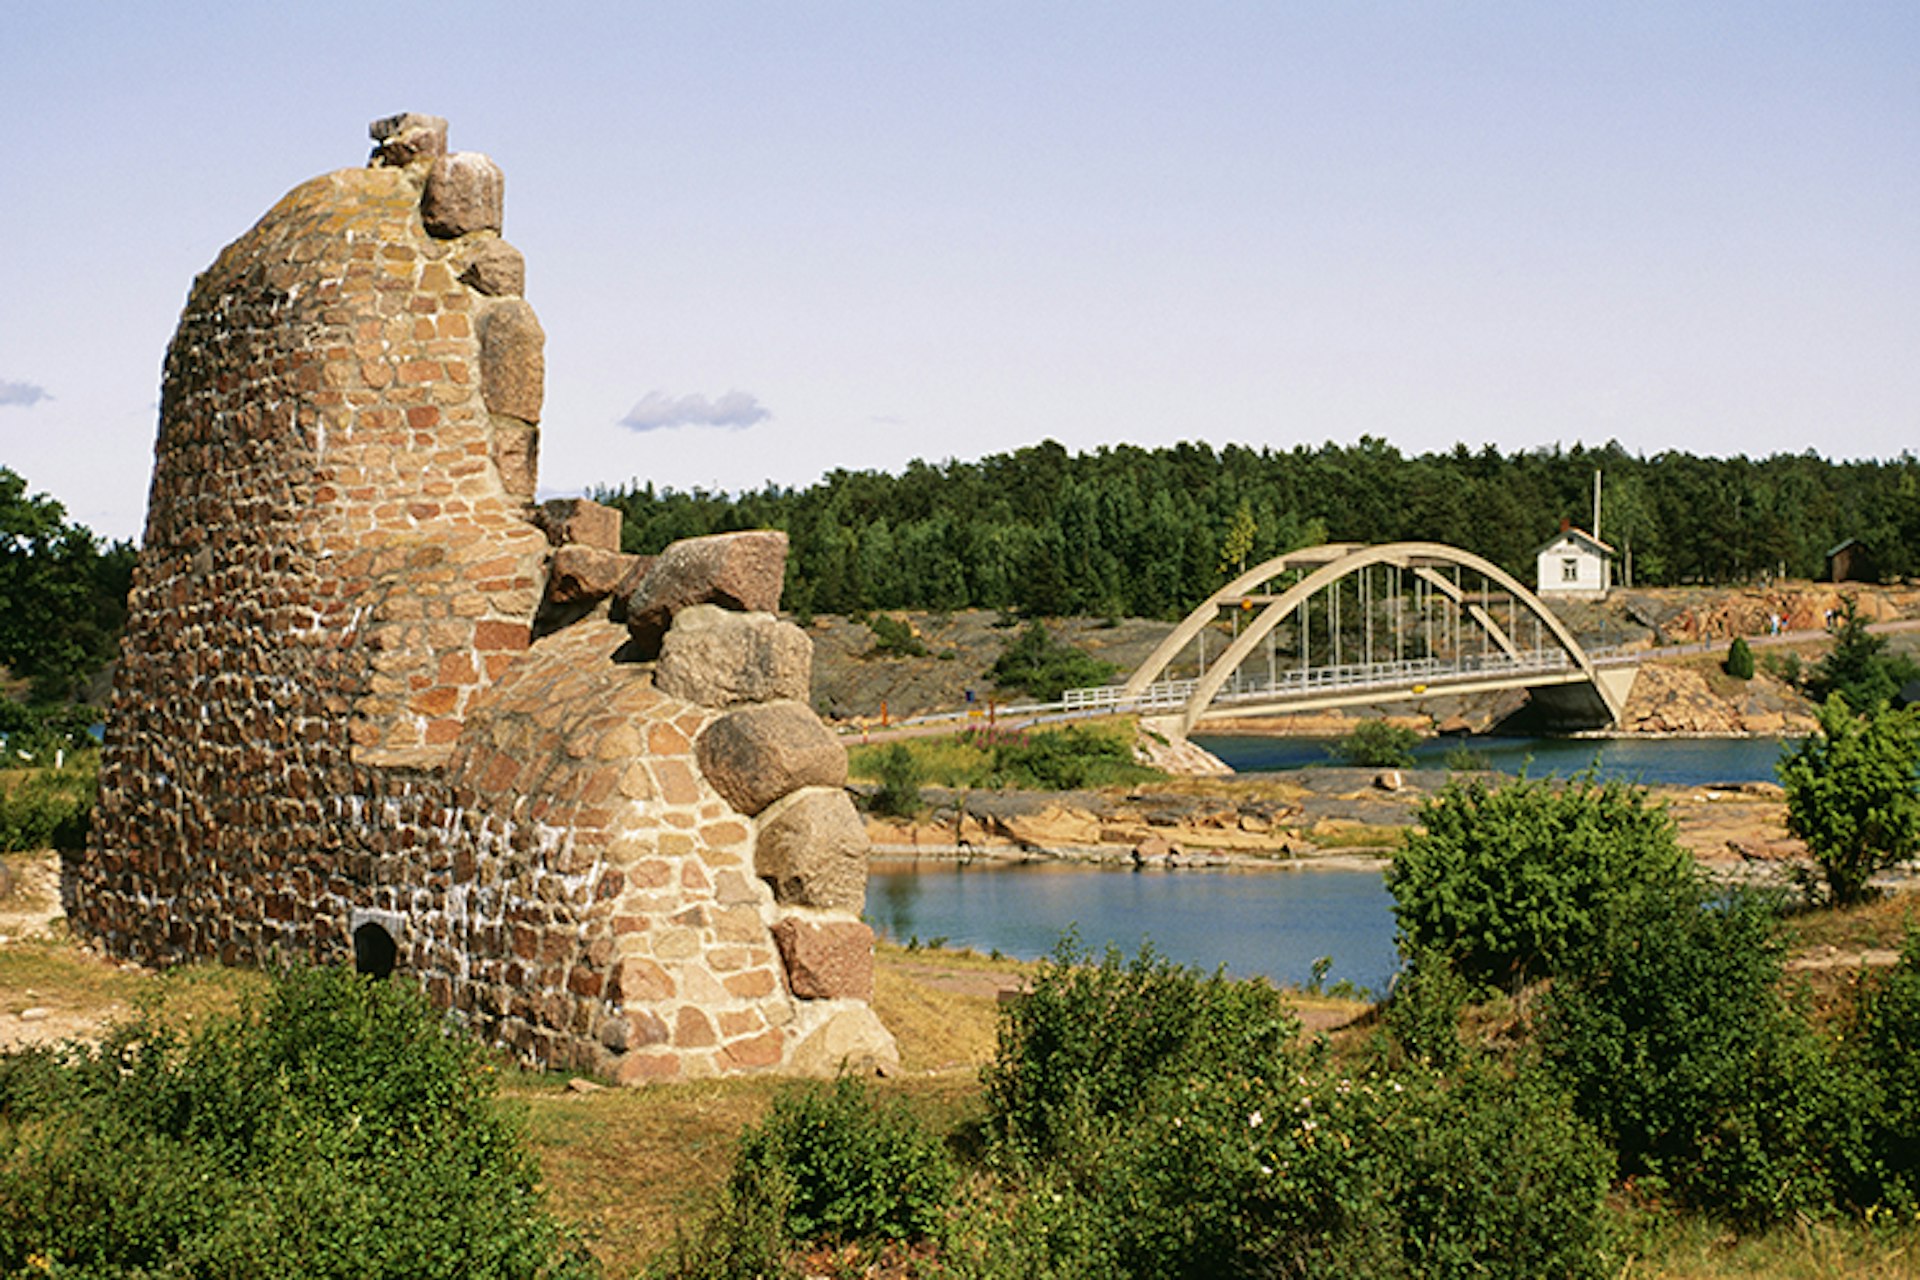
<point>1346,623</point>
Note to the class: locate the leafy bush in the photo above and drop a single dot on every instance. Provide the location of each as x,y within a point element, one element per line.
<point>842,1165</point>
<point>1228,1174</point>
<point>1853,794</point>
<point>1464,759</point>
<point>1376,744</point>
<point>1035,663</point>
<point>1739,663</point>
<point>1858,667</point>
<point>900,779</point>
<point>1885,1033</point>
<point>1063,759</point>
<point>1308,1171</point>
<point>1090,1038</point>
<point>1424,1012</point>
<point>1675,1042</point>
<point>37,734</point>
<point>1508,881</point>
<point>1047,760</point>
<point>336,1128</point>
<point>894,638</point>
<point>1494,1175</point>
<point>49,808</point>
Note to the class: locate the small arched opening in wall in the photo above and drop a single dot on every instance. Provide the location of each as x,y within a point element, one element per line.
<point>376,942</point>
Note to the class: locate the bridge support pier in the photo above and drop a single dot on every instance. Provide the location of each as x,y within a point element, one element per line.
<point>1596,705</point>
<point>1171,727</point>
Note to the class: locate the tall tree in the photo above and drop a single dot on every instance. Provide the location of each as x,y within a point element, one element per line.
<point>64,595</point>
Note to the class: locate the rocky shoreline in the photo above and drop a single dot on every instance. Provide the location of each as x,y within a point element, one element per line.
<point>1322,817</point>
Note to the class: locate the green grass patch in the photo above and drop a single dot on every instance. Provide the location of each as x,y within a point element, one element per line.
<point>1034,760</point>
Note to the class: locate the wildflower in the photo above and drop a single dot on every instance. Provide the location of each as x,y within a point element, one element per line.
<point>1253,1121</point>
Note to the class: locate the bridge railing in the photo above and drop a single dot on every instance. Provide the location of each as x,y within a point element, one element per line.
<point>1343,677</point>
<point>1170,695</point>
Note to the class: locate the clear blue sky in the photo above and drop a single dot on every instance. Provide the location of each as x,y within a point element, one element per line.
<point>771,239</point>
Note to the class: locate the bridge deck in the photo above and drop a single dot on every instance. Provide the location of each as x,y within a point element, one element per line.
<point>1344,685</point>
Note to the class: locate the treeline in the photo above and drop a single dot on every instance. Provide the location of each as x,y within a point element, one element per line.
<point>63,602</point>
<point>1147,532</point>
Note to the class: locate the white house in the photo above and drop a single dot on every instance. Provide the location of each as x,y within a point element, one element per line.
<point>1575,565</point>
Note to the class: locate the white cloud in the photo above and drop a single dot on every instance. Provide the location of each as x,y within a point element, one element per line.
<point>658,410</point>
<point>23,394</point>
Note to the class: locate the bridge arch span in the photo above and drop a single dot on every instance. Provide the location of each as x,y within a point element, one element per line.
<point>1325,568</point>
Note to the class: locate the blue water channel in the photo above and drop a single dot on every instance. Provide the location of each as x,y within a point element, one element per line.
<point>1683,762</point>
<point>1274,923</point>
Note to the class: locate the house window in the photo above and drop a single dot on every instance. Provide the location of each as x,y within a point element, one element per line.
<point>1569,570</point>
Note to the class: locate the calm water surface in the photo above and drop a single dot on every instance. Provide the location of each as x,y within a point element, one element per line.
<point>1272,923</point>
<point>1685,762</point>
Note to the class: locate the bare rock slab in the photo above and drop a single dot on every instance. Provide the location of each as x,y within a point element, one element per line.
<point>719,659</point>
<point>827,960</point>
<point>741,571</point>
<point>812,849</point>
<point>849,1038</point>
<point>755,755</point>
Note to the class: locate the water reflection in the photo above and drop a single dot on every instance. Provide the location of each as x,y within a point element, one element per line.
<point>1272,923</point>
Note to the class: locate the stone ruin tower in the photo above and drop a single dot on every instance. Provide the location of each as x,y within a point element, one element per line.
<point>375,705</point>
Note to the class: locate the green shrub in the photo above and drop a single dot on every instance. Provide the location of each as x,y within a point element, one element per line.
<point>1739,663</point>
<point>1676,1044</point>
<point>1146,1120</point>
<point>1464,759</point>
<point>1376,744</point>
<point>1088,1040</point>
<point>1784,667</point>
<point>1064,759</point>
<point>1506,881</point>
<point>894,638</point>
<point>1494,1175</point>
<point>900,779</point>
<point>1423,1015</point>
<point>49,808</point>
<point>335,1128</point>
<point>36,733</point>
<point>840,1164</point>
<point>1858,667</point>
<point>1035,663</point>
<point>1885,1036</point>
<point>1853,794</point>
<point>1307,1171</point>
<point>1227,1174</point>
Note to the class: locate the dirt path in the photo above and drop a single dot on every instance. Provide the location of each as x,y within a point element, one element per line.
<point>39,1004</point>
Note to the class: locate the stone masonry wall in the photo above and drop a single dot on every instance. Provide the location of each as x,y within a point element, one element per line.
<point>335,735</point>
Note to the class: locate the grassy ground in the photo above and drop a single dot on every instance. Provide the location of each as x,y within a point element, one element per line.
<point>1692,1249</point>
<point>631,1167</point>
